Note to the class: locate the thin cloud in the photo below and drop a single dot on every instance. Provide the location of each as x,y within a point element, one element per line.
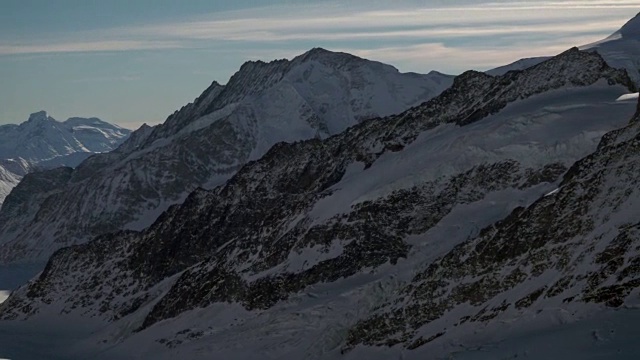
<point>382,23</point>
<point>88,46</point>
<point>443,33</point>
<point>106,79</point>
<point>426,56</point>
<point>567,4</point>
<point>487,23</point>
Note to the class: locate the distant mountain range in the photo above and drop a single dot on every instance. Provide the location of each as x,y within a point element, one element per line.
<point>43,143</point>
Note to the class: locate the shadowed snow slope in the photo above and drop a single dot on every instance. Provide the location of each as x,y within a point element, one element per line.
<point>611,335</point>
<point>376,241</point>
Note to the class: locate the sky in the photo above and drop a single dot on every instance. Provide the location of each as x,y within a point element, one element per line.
<point>137,61</point>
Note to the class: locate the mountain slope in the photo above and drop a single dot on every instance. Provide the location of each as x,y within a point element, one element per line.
<point>42,142</point>
<point>315,95</point>
<point>302,244</point>
<point>621,50</point>
<point>573,249</point>
<point>8,180</point>
<point>521,64</point>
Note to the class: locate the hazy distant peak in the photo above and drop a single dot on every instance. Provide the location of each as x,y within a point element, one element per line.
<point>39,116</point>
<point>76,121</point>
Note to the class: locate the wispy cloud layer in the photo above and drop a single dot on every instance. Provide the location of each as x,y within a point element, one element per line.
<point>98,79</point>
<point>485,33</point>
<point>322,23</point>
<point>432,55</point>
<point>87,46</point>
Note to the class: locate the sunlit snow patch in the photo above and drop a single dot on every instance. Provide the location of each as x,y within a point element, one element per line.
<point>4,294</point>
<point>552,192</point>
<point>627,97</point>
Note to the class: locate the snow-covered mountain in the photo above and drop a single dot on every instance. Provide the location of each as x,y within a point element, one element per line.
<point>620,50</point>
<point>572,252</point>
<point>315,95</point>
<point>379,241</point>
<point>42,138</point>
<point>41,142</point>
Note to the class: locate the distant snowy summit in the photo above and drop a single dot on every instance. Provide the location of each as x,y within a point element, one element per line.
<point>42,142</point>
<point>42,138</point>
<point>620,50</point>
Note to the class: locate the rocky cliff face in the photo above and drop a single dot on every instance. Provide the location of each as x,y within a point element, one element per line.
<point>386,196</point>
<point>577,245</point>
<point>312,96</point>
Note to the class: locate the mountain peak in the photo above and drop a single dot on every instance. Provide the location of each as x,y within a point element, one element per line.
<point>317,51</point>
<point>39,116</point>
<point>632,28</point>
<point>320,54</point>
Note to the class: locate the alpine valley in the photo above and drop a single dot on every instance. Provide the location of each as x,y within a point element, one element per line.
<point>331,207</point>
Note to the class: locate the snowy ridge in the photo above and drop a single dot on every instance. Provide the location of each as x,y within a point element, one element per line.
<point>315,95</point>
<point>317,236</point>
<point>42,143</point>
<point>622,49</point>
<point>42,138</point>
<point>521,64</point>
